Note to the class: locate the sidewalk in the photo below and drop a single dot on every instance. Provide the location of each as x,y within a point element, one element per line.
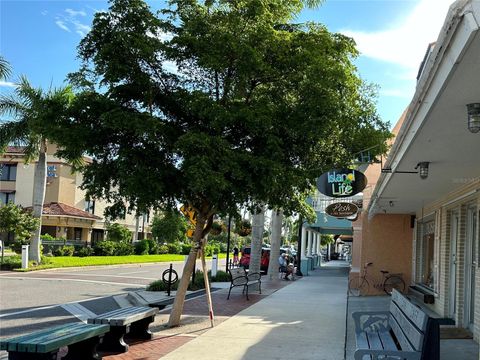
<point>304,320</point>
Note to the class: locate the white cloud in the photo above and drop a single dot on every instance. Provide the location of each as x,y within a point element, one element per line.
<point>61,24</point>
<point>44,12</point>
<point>74,13</point>
<point>80,28</point>
<point>406,43</point>
<point>7,84</point>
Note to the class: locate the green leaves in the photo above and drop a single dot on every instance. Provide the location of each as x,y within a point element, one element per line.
<point>14,219</point>
<point>215,104</point>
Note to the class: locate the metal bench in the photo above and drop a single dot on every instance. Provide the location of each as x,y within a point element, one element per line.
<point>404,332</point>
<point>82,341</point>
<point>239,277</point>
<point>131,321</point>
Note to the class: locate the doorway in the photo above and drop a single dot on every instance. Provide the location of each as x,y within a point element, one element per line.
<point>454,228</point>
<point>470,267</point>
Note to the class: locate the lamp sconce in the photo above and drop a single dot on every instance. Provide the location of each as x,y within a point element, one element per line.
<point>423,169</point>
<point>423,166</point>
<point>473,111</point>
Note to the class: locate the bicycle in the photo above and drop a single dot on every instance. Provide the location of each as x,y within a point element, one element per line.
<point>361,285</point>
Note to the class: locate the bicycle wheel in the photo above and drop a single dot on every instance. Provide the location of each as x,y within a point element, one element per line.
<point>358,286</point>
<point>393,282</point>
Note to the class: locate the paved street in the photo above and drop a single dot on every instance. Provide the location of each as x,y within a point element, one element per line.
<point>53,287</point>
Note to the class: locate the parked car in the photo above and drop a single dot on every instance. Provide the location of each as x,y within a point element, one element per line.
<point>265,259</point>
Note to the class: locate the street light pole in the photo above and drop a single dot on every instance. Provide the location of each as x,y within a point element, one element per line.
<point>228,240</point>
<point>299,247</point>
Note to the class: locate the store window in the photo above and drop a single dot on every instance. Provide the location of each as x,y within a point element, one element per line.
<point>426,255</point>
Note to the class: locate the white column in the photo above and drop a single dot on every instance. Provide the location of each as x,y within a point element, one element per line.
<point>303,245</point>
<point>319,243</point>
<point>315,240</point>
<point>309,243</point>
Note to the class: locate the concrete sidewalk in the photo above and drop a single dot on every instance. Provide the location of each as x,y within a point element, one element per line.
<point>305,320</point>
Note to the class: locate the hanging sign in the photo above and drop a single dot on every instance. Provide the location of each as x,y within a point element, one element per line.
<point>341,183</point>
<point>341,210</point>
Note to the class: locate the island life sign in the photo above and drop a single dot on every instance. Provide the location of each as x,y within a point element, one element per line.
<point>339,183</point>
<point>342,210</point>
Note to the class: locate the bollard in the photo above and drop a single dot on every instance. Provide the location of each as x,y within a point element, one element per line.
<point>214,265</point>
<point>25,256</point>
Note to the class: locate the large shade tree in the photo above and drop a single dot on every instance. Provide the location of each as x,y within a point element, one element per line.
<point>214,104</point>
<point>24,113</point>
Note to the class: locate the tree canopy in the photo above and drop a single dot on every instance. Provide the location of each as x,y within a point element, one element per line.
<point>214,104</point>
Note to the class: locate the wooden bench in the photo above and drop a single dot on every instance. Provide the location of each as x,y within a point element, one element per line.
<point>132,321</point>
<point>82,341</point>
<point>404,332</point>
<point>239,277</point>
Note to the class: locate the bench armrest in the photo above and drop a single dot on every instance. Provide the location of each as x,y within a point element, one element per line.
<point>370,320</point>
<point>254,276</point>
<point>387,354</point>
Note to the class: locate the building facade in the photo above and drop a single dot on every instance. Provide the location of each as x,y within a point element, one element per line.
<point>422,215</point>
<point>66,212</point>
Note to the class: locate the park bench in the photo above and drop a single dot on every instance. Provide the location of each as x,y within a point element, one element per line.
<point>132,322</point>
<point>239,277</point>
<point>404,332</point>
<point>82,341</point>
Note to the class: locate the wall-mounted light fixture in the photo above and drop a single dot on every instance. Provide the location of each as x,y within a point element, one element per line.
<point>423,166</point>
<point>423,169</point>
<point>473,111</point>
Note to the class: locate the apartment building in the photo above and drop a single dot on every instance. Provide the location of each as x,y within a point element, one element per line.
<point>66,212</point>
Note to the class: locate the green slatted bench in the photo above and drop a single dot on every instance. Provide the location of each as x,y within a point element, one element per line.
<point>404,332</point>
<point>82,341</point>
<point>132,322</point>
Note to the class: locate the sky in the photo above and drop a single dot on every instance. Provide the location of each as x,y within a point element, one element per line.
<point>39,39</point>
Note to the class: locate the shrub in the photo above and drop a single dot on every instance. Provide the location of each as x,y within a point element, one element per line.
<point>85,251</point>
<point>142,247</point>
<point>11,262</point>
<point>186,249</point>
<point>105,248</point>
<point>221,276</point>
<point>64,250</point>
<point>152,247</point>
<point>123,248</point>
<point>163,249</point>
<point>118,233</point>
<point>174,248</point>
<point>159,285</point>
<point>16,246</point>
<point>47,237</point>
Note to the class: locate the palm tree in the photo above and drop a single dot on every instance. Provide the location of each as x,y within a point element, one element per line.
<point>29,111</point>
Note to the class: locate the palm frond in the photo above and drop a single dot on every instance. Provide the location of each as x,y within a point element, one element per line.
<point>13,133</point>
<point>5,68</point>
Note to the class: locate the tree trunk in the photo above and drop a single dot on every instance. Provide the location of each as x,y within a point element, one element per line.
<point>277,217</point>
<point>258,221</point>
<point>39,183</point>
<point>177,307</point>
<point>207,286</point>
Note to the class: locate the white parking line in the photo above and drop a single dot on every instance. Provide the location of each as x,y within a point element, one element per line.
<point>77,280</point>
<point>134,272</point>
<point>113,276</point>
<point>45,307</point>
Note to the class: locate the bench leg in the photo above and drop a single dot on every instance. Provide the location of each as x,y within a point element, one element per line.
<point>246,288</point>
<point>113,340</point>
<point>15,355</point>
<point>139,329</point>
<point>84,350</point>
<point>228,297</point>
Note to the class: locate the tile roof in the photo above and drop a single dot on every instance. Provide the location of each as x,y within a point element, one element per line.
<point>61,209</point>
